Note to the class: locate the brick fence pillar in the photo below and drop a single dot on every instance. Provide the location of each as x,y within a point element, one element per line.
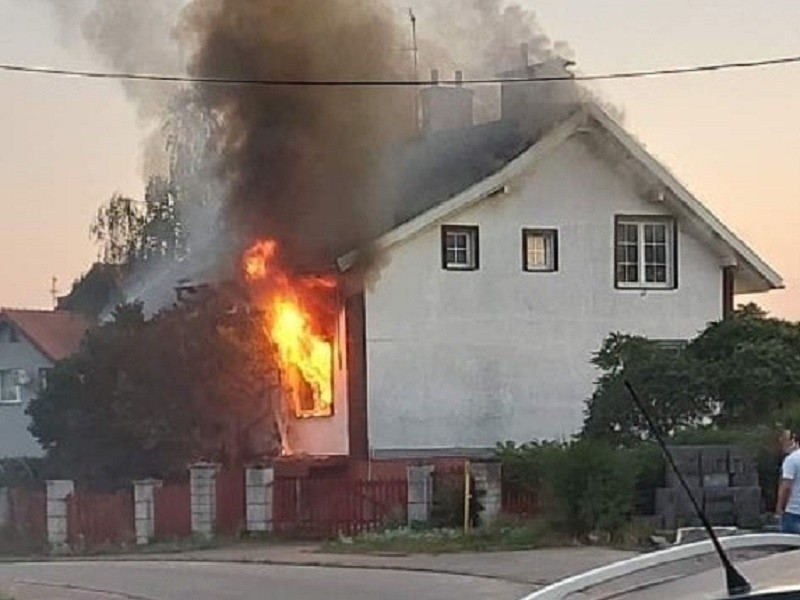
<point>5,508</point>
<point>203,483</point>
<point>58,491</point>
<point>488,490</point>
<point>420,493</point>
<point>144,501</point>
<point>259,496</point>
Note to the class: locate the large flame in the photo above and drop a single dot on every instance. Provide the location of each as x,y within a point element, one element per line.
<point>304,351</point>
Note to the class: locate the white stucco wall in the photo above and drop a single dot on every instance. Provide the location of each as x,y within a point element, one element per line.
<point>327,436</point>
<point>467,359</point>
<point>15,439</point>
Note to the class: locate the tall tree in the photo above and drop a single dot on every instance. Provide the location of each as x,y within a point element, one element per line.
<point>145,398</point>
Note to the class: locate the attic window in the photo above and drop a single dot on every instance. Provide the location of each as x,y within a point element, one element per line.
<point>540,250</point>
<point>645,253</point>
<point>460,251</point>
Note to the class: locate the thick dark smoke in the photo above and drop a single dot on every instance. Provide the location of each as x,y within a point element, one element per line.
<point>300,163</point>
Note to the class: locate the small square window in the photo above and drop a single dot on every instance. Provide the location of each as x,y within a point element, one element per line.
<point>540,250</point>
<point>460,248</point>
<point>9,387</point>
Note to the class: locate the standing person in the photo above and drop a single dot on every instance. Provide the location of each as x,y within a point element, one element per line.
<point>788,508</point>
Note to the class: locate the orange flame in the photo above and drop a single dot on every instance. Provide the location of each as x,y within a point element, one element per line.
<point>302,349</point>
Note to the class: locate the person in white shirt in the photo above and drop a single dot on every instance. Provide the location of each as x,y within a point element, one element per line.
<point>788,508</point>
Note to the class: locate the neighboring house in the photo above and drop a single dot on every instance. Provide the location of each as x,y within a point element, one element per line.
<point>515,252</point>
<point>31,342</point>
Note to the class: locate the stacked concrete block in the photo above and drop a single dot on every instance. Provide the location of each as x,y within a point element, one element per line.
<point>718,503</point>
<point>259,496</point>
<point>488,490</point>
<point>58,493</point>
<point>203,486</point>
<point>747,503</point>
<point>144,502</point>
<point>420,493</point>
<point>724,480</point>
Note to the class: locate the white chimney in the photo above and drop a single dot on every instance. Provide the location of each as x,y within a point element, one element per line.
<point>446,107</point>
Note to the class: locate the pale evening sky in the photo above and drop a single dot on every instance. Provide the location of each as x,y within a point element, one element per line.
<point>733,137</point>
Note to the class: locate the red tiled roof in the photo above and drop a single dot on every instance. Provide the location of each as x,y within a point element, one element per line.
<point>56,334</point>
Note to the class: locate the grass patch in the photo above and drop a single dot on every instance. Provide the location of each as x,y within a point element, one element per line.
<point>518,535</point>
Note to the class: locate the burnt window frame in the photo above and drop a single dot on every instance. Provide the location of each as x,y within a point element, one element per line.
<point>672,246</point>
<point>474,235</point>
<point>550,232</point>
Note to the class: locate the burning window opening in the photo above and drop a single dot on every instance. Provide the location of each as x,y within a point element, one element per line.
<point>299,318</point>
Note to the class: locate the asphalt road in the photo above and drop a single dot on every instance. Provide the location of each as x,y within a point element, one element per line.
<point>217,581</point>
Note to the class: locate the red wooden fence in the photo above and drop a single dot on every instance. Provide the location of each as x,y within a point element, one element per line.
<point>173,511</point>
<point>519,501</point>
<point>95,519</point>
<point>231,510</point>
<point>319,508</point>
<point>29,513</point>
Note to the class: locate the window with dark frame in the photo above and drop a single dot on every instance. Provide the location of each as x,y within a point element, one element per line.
<point>645,253</point>
<point>9,387</point>
<point>540,250</point>
<point>460,251</point>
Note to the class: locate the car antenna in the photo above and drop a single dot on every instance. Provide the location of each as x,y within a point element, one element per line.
<point>737,584</point>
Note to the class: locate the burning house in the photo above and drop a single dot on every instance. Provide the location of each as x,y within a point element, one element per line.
<point>510,256</point>
<point>433,292</point>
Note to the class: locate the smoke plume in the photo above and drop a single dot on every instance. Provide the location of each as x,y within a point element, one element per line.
<point>299,161</point>
<point>302,165</point>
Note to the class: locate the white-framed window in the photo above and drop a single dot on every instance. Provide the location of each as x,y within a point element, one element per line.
<point>460,251</point>
<point>540,250</point>
<point>645,253</point>
<point>9,387</point>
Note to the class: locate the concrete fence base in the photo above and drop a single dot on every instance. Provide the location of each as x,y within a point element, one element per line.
<point>203,484</point>
<point>58,491</point>
<point>420,493</point>
<point>488,489</point>
<point>259,496</point>
<point>144,502</point>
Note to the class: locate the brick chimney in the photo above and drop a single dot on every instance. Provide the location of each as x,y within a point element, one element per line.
<point>446,107</point>
<point>537,106</point>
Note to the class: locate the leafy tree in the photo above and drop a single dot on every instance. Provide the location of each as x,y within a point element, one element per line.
<point>740,371</point>
<point>665,378</point>
<point>145,398</point>
<point>750,365</point>
<point>117,230</point>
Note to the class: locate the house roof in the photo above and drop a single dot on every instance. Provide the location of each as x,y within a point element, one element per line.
<point>481,162</point>
<point>56,334</point>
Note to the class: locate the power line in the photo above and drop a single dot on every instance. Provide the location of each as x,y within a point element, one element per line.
<point>727,66</point>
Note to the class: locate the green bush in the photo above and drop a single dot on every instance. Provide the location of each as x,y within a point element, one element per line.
<point>587,486</point>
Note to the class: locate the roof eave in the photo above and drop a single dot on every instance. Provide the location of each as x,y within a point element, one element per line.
<point>770,279</point>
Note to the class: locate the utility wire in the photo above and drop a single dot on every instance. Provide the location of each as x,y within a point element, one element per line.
<point>394,82</point>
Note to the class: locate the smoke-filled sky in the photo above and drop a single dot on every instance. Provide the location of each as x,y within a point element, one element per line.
<point>69,144</point>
